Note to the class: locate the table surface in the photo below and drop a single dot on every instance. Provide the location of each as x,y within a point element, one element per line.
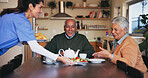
<point>34,68</point>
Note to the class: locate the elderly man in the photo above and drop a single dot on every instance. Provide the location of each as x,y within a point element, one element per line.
<point>70,39</point>
<point>124,47</point>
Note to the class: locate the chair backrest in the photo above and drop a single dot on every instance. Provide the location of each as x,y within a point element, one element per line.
<point>145,59</point>
<point>135,73</point>
<point>11,65</point>
<point>121,65</point>
<point>5,69</point>
<point>132,72</point>
<point>17,60</point>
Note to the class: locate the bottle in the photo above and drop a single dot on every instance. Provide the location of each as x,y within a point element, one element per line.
<point>81,27</point>
<point>84,4</point>
<point>36,28</point>
<point>78,26</point>
<point>107,33</point>
<point>99,39</point>
<point>85,26</point>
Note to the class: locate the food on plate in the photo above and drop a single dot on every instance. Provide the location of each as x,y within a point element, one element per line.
<point>40,36</point>
<point>77,59</point>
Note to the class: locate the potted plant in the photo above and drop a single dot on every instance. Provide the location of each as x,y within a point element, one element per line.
<point>52,5</point>
<point>144,45</point>
<point>104,3</point>
<point>106,14</point>
<point>69,4</point>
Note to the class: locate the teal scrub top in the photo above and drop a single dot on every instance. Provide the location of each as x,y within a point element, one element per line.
<point>14,28</point>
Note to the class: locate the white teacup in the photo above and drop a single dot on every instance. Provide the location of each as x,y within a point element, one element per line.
<point>83,55</point>
<point>47,59</point>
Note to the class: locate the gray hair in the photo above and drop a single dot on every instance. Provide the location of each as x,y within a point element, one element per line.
<point>122,22</point>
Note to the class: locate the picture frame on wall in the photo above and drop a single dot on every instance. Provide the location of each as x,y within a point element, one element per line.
<point>3,0</point>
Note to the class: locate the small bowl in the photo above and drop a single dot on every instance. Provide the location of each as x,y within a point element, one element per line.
<point>92,5</point>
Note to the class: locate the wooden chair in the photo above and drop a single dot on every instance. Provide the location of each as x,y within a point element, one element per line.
<point>5,69</point>
<point>132,72</point>
<point>107,40</point>
<point>17,61</point>
<point>121,65</point>
<point>11,65</point>
<point>145,59</point>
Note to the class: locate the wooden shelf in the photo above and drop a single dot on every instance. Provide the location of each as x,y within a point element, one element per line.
<point>92,18</point>
<point>42,18</point>
<point>45,6</point>
<point>43,29</point>
<point>48,7</point>
<point>94,29</point>
<point>90,7</point>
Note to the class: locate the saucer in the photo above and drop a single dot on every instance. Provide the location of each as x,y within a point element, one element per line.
<point>96,60</point>
<point>48,62</point>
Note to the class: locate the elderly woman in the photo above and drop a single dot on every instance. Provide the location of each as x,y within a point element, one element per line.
<point>124,47</point>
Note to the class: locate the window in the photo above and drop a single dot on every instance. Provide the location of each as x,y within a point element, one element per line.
<point>135,10</point>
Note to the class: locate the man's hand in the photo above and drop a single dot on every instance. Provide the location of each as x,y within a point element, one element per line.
<point>103,54</point>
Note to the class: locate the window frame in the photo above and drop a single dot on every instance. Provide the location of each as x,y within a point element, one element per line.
<point>131,3</point>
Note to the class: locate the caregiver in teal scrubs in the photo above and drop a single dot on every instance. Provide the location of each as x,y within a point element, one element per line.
<point>15,28</point>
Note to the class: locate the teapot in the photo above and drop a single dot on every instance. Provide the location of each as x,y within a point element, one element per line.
<point>69,53</point>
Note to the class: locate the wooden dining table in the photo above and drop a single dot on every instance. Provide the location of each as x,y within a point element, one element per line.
<point>35,68</point>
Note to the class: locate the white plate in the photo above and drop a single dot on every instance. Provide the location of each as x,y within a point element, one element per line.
<point>82,62</point>
<point>48,62</point>
<point>96,60</point>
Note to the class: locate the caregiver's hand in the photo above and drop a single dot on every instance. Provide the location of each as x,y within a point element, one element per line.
<point>66,60</point>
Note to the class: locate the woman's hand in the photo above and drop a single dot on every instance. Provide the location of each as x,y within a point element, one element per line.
<point>66,60</point>
<point>103,54</point>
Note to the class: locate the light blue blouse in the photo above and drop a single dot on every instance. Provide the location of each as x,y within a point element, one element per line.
<point>14,28</point>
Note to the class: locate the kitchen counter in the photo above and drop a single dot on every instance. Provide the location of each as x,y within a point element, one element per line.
<point>138,39</point>
<point>94,41</point>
